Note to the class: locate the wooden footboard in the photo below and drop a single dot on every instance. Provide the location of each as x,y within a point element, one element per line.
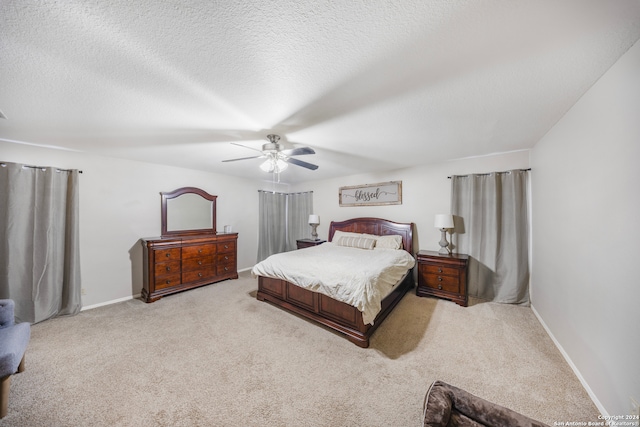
<point>338,316</point>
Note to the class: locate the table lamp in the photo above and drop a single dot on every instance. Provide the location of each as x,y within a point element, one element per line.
<point>443,222</point>
<point>314,220</point>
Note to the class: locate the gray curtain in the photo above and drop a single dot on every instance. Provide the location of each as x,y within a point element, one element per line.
<point>39,243</point>
<point>492,227</point>
<point>300,206</point>
<point>282,220</point>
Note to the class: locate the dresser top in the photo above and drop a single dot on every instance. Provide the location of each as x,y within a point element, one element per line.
<point>188,238</point>
<point>432,254</point>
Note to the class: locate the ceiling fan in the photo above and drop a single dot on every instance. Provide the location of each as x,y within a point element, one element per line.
<point>277,158</point>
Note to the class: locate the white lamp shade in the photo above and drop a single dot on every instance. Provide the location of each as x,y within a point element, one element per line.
<point>314,219</point>
<point>267,166</point>
<point>273,164</point>
<point>281,165</point>
<point>443,221</point>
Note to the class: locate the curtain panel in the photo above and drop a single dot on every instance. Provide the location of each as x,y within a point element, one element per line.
<point>282,220</point>
<point>492,227</point>
<point>39,241</point>
<point>272,238</point>
<point>300,206</point>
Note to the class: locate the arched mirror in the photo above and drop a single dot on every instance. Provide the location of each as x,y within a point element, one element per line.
<point>188,210</point>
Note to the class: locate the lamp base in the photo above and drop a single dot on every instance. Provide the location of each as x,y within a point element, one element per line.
<point>444,245</point>
<point>314,233</point>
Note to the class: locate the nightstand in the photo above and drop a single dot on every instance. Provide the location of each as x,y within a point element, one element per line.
<point>443,276</point>
<point>306,243</point>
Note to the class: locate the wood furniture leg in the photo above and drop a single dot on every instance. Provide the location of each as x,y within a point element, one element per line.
<point>5,383</point>
<point>21,365</point>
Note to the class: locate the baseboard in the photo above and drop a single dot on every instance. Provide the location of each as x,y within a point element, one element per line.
<point>89,307</point>
<point>574,368</point>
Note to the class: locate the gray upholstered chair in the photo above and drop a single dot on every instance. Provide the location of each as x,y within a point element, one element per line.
<point>14,338</point>
<point>449,406</point>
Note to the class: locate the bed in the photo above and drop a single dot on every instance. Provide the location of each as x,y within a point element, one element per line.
<point>318,306</point>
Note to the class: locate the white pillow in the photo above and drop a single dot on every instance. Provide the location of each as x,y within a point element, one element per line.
<point>391,241</point>
<point>337,234</point>
<point>356,242</point>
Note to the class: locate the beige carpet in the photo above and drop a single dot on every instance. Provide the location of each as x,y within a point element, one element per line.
<point>215,356</point>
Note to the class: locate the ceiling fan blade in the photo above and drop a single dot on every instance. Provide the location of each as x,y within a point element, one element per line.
<point>298,151</point>
<point>300,163</point>
<point>243,158</point>
<point>244,146</point>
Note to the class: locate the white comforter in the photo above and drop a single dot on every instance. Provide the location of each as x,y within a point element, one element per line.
<point>358,277</point>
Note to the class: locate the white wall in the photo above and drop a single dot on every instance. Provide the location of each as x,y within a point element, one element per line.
<point>120,203</point>
<point>426,192</point>
<point>586,222</point>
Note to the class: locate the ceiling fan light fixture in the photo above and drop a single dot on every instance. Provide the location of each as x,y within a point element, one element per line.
<point>274,165</point>
<point>278,158</point>
<point>267,166</point>
<point>281,165</point>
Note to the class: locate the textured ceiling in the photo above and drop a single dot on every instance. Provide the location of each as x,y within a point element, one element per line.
<point>370,85</point>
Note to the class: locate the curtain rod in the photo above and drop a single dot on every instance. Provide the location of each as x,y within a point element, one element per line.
<point>42,167</point>
<point>483,174</point>
<point>280,192</point>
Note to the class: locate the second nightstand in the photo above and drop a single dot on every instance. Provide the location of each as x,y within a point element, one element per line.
<point>443,276</point>
<point>305,243</point>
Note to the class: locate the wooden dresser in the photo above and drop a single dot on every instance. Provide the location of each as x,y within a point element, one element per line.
<point>174,264</point>
<point>442,276</point>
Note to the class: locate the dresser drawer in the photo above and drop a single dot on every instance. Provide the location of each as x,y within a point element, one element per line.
<point>198,275</point>
<point>162,255</point>
<point>164,268</point>
<point>226,258</point>
<point>197,263</point>
<point>198,251</point>
<point>438,269</point>
<point>227,247</point>
<point>223,270</point>
<point>444,283</point>
<point>167,280</point>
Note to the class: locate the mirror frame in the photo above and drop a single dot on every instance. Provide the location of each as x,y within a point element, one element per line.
<point>166,195</point>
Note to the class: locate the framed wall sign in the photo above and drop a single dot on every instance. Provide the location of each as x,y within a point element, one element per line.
<point>383,193</point>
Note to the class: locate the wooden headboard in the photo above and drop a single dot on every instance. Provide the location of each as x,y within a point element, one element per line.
<point>376,226</point>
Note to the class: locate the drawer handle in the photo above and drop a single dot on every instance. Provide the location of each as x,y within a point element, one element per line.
<point>199,251</point>
<point>199,274</point>
<point>439,270</point>
<point>439,279</point>
<point>226,269</point>
<point>226,246</point>
<point>226,257</point>
<point>168,282</point>
<point>168,255</point>
<point>199,262</point>
<point>168,268</point>
<point>439,286</point>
